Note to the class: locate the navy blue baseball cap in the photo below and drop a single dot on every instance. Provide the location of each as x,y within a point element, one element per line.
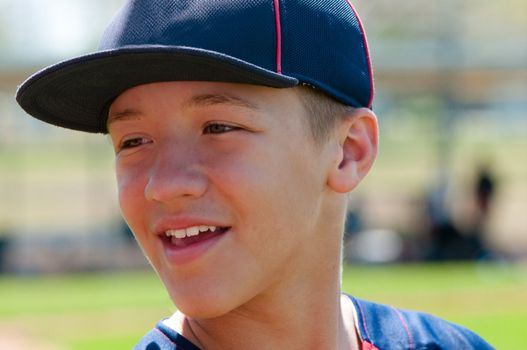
<point>275,43</point>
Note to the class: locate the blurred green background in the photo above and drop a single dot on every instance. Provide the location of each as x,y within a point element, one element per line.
<point>451,84</point>
<point>113,310</point>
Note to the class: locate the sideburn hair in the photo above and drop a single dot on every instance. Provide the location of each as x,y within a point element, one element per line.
<point>323,111</point>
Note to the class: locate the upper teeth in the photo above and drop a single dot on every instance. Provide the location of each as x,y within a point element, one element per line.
<point>189,231</point>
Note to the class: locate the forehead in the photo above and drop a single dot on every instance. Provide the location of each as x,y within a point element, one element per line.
<point>284,104</point>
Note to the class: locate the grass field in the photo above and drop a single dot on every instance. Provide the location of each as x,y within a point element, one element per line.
<point>113,310</point>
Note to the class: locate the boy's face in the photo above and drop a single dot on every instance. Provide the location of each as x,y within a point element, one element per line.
<point>236,158</point>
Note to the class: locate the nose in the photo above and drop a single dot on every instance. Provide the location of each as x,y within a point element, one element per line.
<point>175,176</point>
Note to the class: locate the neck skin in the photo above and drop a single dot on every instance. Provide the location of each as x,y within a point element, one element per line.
<point>304,310</point>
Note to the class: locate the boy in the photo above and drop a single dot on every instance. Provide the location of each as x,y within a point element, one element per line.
<point>239,127</point>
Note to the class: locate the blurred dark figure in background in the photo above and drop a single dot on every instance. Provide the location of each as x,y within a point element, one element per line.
<point>353,225</point>
<point>484,193</point>
<point>126,233</point>
<point>447,241</point>
<point>4,249</point>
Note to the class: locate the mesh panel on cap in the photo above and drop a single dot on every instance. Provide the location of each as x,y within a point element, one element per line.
<point>342,70</point>
<point>248,25</point>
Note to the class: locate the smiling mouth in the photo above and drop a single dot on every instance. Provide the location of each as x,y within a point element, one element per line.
<point>182,238</point>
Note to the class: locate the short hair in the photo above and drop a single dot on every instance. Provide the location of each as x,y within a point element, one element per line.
<point>323,111</point>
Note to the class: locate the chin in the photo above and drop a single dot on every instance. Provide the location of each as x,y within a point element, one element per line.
<point>201,308</point>
<point>202,303</point>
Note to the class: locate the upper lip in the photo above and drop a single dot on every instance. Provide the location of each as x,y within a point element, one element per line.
<point>179,223</point>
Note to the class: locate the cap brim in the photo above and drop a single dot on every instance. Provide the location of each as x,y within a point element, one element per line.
<point>76,94</point>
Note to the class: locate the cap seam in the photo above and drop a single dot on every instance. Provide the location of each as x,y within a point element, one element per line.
<point>278,26</point>
<point>366,51</point>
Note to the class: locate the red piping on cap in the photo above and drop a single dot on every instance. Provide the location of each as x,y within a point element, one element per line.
<point>365,40</point>
<point>278,37</point>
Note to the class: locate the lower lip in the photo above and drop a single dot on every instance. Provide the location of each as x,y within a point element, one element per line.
<point>182,255</point>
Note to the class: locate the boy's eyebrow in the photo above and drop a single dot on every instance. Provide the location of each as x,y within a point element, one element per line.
<point>127,114</point>
<point>195,101</point>
<point>204,100</point>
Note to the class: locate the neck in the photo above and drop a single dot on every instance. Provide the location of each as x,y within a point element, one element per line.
<point>301,320</point>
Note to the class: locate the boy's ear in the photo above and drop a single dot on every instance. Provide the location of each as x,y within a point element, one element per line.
<point>357,149</point>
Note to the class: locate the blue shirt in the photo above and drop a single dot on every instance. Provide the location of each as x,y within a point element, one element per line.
<point>380,327</point>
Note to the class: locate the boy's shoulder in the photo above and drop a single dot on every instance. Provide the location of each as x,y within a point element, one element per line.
<point>163,337</point>
<point>385,327</point>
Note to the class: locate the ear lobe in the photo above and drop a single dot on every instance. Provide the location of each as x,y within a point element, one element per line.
<point>358,144</point>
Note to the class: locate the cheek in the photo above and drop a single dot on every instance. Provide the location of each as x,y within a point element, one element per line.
<point>266,187</point>
<point>130,186</point>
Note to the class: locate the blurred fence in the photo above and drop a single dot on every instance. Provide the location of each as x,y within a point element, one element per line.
<point>451,95</point>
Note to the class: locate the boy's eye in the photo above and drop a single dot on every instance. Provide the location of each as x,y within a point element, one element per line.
<point>218,128</point>
<point>134,142</point>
